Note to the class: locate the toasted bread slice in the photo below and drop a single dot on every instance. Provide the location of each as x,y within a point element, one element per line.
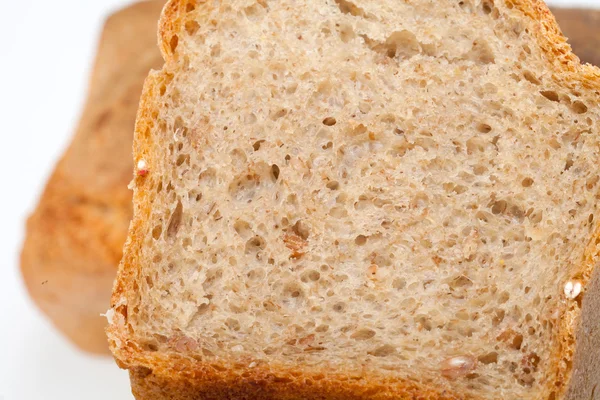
<point>363,200</point>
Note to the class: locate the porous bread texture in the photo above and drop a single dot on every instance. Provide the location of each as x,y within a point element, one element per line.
<point>383,190</point>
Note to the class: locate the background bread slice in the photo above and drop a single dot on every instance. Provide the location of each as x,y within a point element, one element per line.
<point>216,205</point>
<point>75,236</point>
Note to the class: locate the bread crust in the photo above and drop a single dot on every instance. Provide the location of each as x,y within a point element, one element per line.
<point>167,376</point>
<point>75,236</point>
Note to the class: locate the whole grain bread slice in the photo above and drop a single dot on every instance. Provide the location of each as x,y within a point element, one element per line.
<point>75,236</point>
<point>363,200</point>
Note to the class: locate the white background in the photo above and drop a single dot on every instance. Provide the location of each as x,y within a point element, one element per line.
<point>45,55</point>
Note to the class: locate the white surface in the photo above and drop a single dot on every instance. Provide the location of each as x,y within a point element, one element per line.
<point>47,48</point>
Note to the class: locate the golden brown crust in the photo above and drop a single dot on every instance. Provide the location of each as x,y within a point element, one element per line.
<point>75,236</point>
<point>582,28</point>
<point>159,376</point>
<point>172,377</point>
<point>267,386</point>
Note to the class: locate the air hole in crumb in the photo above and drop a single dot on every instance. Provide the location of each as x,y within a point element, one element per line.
<point>175,220</point>
<point>202,309</point>
<point>346,32</point>
<point>255,244</point>
<point>173,43</point>
<point>498,317</point>
<point>360,240</point>
<point>233,324</point>
<point>363,334</point>
<point>243,229</point>
<point>459,282</point>
<point>156,232</point>
<point>275,171</point>
<point>536,216</point>
<point>402,44</point>
<point>190,6</point>
<point>399,283</point>
<point>191,27</point>
<point>531,77</point>
<point>329,121</point>
<point>301,230</point>
<point>499,207</point>
<point>579,107</point>
<point>484,128</point>
<point>257,144</point>
<point>568,164</point>
<point>293,290</point>
<point>383,351</point>
<point>550,95</point>
<point>527,182</point>
<point>182,159</point>
<point>333,185</point>
<point>278,114</point>
<point>149,282</point>
<point>487,7</point>
<point>339,307</point>
<point>310,276</point>
<point>256,274</point>
<point>151,347</point>
<point>489,358</point>
<point>482,52</point>
<point>517,342</point>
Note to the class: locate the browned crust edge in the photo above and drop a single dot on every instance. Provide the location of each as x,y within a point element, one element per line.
<point>159,376</point>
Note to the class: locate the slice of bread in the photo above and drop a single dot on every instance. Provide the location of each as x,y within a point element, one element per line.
<point>75,236</point>
<point>77,312</point>
<point>367,199</point>
<point>58,243</point>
